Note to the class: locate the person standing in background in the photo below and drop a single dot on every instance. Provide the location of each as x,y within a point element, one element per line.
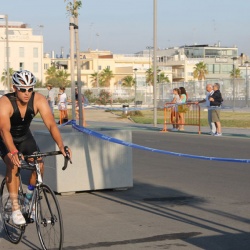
<point>215,103</point>
<point>210,91</point>
<point>51,97</point>
<point>174,109</point>
<point>62,105</point>
<point>183,99</point>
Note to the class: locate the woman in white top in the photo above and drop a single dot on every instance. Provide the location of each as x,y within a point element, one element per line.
<point>62,105</point>
<point>174,116</point>
<point>183,99</point>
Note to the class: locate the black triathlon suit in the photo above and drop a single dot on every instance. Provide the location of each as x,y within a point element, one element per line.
<point>20,128</point>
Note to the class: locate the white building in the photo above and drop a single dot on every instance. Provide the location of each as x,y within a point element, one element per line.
<point>25,49</point>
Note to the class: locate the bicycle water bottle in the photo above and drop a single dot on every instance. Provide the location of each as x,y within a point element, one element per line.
<point>28,196</point>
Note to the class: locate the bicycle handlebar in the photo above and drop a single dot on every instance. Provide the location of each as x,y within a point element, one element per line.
<point>25,165</point>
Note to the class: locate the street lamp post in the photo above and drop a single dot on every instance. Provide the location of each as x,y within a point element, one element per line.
<point>7,49</point>
<point>97,75</point>
<point>234,61</point>
<point>149,67</point>
<point>247,84</point>
<point>135,70</point>
<point>155,62</point>
<point>149,59</point>
<point>72,64</point>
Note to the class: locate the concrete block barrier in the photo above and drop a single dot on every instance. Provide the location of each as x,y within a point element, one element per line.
<point>97,164</point>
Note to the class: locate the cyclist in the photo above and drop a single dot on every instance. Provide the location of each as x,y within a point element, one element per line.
<point>17,110</point>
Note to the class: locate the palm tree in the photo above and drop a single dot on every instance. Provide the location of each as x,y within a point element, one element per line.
<point>235,73</point>
<point>150,76</point>
<point>63,75</point>
<point>57,77</point>
<point>128,81</point>
<point>160,78</point>
<point>51,73</point>
<point>105,76</point>
<point>95,77</point>
<point>4,77</point>
<point>163,78</point>
<point>200,71</point>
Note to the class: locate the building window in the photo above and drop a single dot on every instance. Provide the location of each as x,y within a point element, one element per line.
<point>21,51</point>
<point>21,66</point>
<point>35,52</point>
<point>35,67</point>
<point>210,68</point>
<point>46,66</point>
<point>216,68</point>
<point>226,68</point>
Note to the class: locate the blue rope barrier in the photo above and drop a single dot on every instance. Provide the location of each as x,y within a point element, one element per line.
<point>133,145</point>
<point>120,109</point>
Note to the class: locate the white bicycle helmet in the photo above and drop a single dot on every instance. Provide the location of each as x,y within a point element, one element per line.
<point>23,78</point>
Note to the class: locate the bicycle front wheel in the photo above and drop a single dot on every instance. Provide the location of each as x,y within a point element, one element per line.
<point>48,219</point>
<point>13,231</point>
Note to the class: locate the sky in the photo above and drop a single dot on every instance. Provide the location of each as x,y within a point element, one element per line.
<point>126,26</point>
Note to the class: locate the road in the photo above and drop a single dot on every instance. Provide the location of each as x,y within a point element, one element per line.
<point>176,202</point>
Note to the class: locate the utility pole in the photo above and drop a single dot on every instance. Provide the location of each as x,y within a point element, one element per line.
<point>155,62</point>
<point>7,52</point>
<point>79,82</point>
<point>72,9</point>
<point>72,65</point>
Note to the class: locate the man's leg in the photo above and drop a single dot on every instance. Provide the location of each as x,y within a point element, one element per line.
<point>12,182</point>
<point>211,124</point>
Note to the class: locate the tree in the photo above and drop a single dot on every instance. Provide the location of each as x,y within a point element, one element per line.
<point>128,81</point>
<point>200,71</point>
<point>235,73</point>
<point>4,77</point>
<point>162,78</point>
<point>51,73</point>
<point>39,84</point>
<point>105,76</point>
<point>57,77</point>
<point>72,8</point>
<point>96,77</point>
<point>150,76</point>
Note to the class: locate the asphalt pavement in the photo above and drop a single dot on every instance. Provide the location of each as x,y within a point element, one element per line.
<point>175,202</point>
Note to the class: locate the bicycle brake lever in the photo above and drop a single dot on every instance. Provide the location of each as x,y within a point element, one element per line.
<point>66,158</point>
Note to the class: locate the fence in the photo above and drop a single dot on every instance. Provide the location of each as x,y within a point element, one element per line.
<point>181,114</point>
<point>234,92</point>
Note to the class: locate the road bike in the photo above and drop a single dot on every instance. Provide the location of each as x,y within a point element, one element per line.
<point>43,209</point>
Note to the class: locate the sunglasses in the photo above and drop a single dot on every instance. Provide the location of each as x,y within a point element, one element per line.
<point>23,90</point>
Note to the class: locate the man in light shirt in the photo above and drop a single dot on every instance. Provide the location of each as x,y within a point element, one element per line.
<point>210,91</point>
<point>51,97</point>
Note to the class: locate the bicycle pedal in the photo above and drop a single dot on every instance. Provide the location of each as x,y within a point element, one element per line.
<point>28,219</point>
<point>31,220</point>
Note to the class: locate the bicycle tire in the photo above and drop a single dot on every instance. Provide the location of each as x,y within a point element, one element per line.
<point>13,232</point>
<point>48,219</point>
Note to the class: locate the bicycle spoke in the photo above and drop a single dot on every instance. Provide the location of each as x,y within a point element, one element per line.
<point>49,219</point>
<point>13,231</point>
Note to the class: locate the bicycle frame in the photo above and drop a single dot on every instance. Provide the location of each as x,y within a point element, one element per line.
<point>47,212</point>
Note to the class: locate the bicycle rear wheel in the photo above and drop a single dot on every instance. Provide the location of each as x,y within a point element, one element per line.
<point>48,219</point>
<point>13,231</point>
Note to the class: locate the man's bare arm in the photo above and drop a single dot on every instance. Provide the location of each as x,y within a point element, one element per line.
<point>43,108</point>
<point>5,114</point>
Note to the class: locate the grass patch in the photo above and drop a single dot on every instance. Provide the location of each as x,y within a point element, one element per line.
<point>228,118</point>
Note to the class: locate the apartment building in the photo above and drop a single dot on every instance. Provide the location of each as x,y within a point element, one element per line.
<point>183,59</point>
<point>25,49</point>
<point>121,65</point>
